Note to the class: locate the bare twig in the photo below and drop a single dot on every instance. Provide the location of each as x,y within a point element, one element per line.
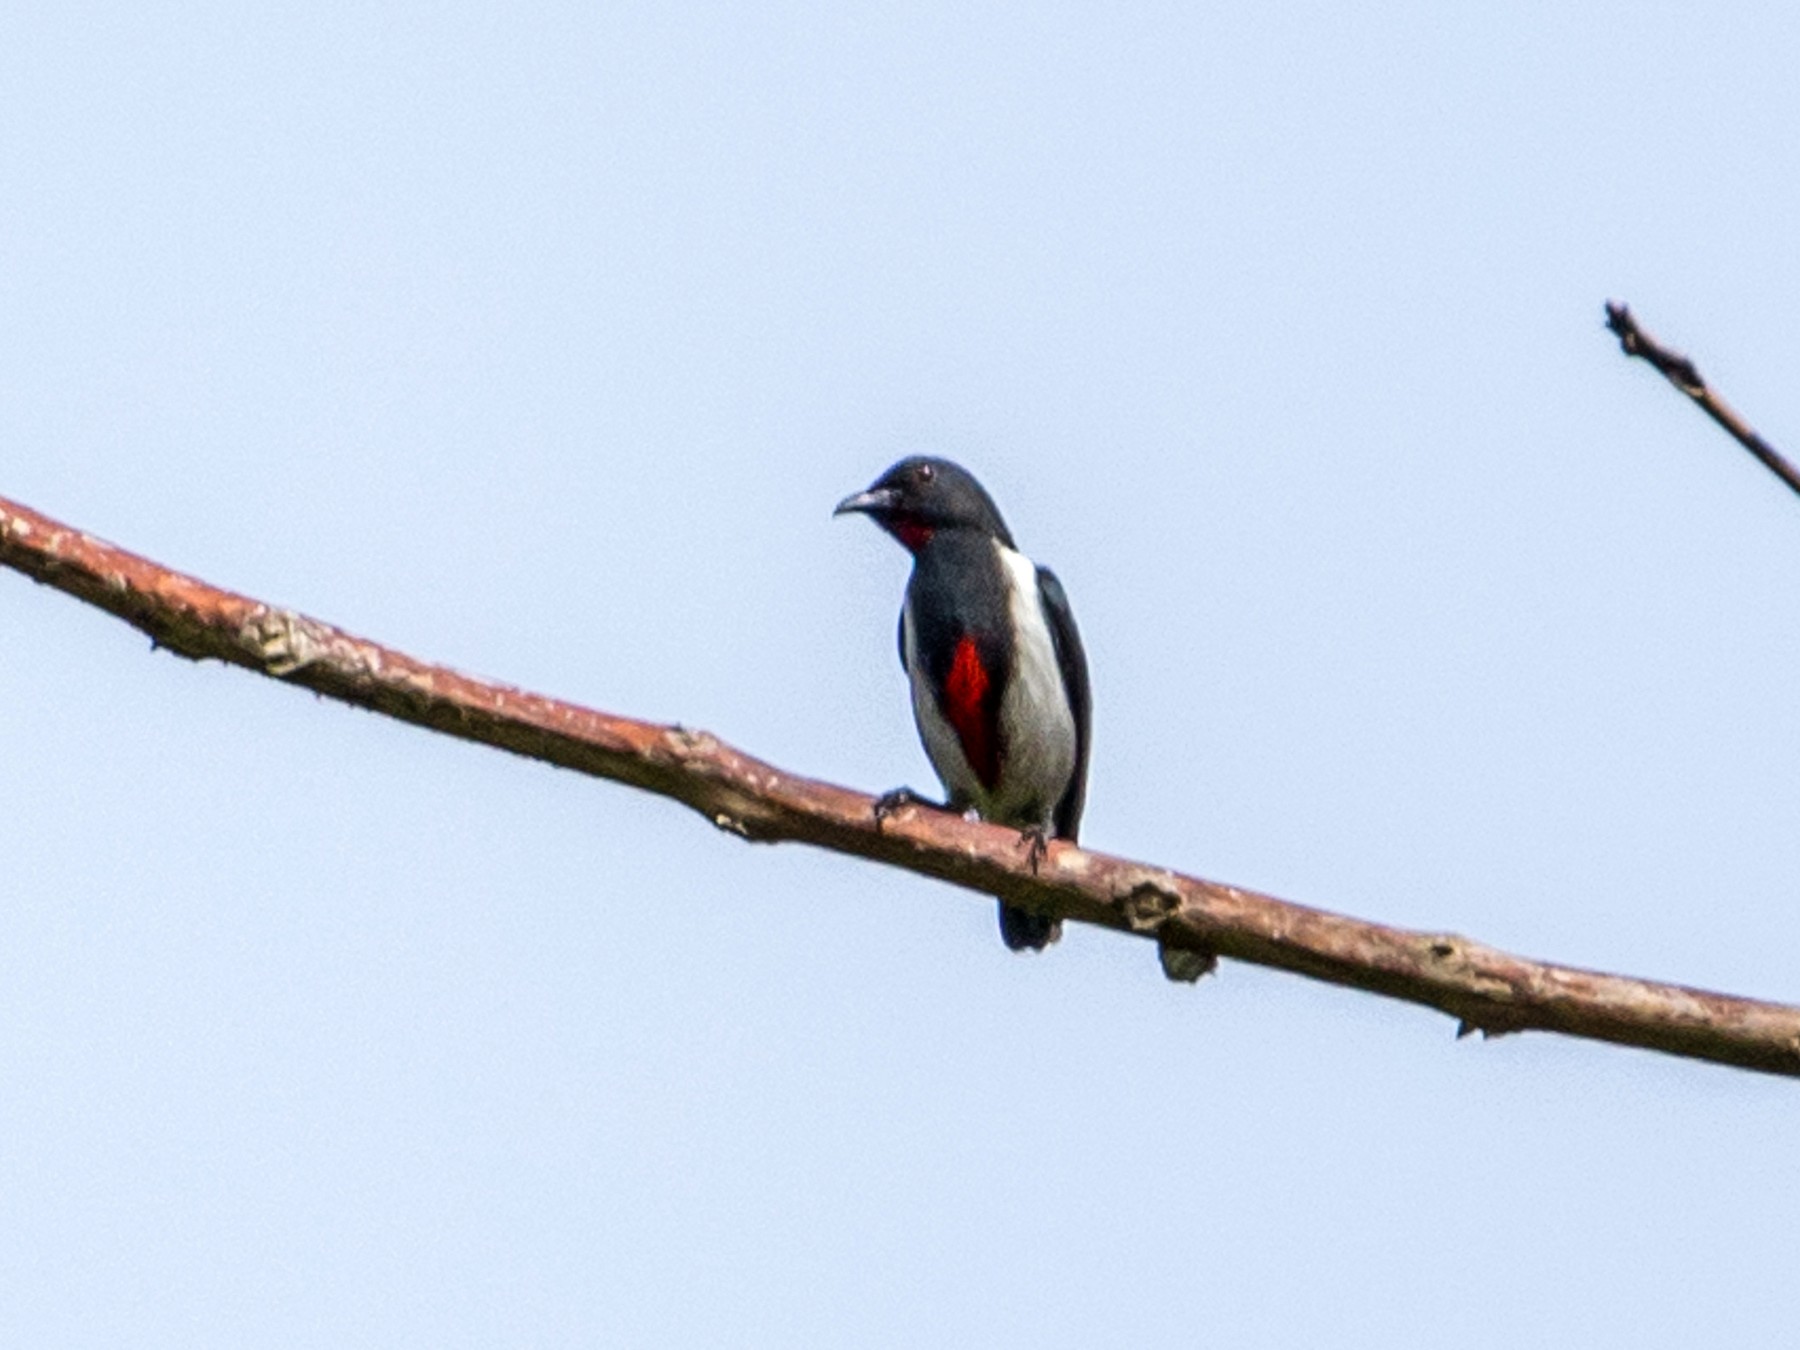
<point>1681,372</point>
<point>1190,920</point>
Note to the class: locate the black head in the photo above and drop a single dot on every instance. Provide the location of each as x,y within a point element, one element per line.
<point>920,496</point>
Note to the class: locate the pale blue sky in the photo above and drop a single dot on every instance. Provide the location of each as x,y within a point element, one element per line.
<point>541,340</point>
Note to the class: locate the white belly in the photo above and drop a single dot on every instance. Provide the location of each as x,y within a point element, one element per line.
<point>1037,728</point>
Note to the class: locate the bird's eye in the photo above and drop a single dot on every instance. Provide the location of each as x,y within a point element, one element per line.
<point>926,473</point>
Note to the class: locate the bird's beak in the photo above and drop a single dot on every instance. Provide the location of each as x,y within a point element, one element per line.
<point>872,502</point>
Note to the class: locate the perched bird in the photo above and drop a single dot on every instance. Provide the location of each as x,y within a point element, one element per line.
<point>999,679</point>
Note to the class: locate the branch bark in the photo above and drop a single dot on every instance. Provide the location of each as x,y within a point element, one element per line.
<point>1679,371</point>
<point>1192,921</point>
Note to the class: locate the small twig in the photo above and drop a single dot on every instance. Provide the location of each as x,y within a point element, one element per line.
<point>1191,921</point>
<point>1681,372</point>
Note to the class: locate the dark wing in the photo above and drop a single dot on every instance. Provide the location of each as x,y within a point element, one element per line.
<point>1072,661</point>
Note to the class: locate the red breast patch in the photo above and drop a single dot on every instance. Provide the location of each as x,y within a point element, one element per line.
<point>965,704</point>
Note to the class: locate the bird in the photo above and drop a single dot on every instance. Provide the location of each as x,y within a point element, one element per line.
<point>998,674</point>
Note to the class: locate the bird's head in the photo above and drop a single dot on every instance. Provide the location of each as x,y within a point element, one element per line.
<point>920,496</point>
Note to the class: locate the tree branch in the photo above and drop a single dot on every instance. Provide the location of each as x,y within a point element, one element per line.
<point>1190,920</point>
<point>1681,372</point>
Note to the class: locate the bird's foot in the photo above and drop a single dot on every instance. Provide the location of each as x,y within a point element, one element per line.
<point>900,798</point>
<point>1036,843</point>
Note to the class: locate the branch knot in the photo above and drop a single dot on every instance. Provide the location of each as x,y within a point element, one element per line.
<point>1148,905</point>
<point>283,640</point>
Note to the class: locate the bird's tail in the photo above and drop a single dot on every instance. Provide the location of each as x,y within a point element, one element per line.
<point>1021,930</point>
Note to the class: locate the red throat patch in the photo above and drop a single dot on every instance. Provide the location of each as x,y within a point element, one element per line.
<point>965,704</point>
<point>912,535</point>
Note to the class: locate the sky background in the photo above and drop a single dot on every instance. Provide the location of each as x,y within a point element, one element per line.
<point>540,340</point>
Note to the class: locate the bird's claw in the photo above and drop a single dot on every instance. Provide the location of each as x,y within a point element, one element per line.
<point>889,802</point>
<point>1036,842</point>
